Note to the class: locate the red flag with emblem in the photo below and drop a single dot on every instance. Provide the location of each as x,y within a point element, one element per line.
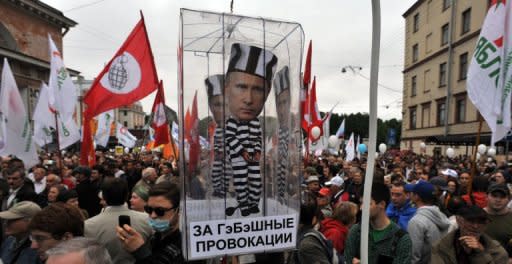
<point>159,123</point>
<point>130,76</point>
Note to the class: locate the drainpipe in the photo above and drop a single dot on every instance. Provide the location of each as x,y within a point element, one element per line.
<point>450,68</point>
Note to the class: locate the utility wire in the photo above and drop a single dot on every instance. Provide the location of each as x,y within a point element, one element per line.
<point>83,6</point>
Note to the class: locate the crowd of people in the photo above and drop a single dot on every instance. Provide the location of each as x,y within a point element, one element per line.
<point>424,209</point>
<point>125,209</point>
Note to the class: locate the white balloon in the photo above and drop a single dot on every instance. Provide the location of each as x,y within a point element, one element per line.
<point>126,150</point>
<point>489,159</point>
<point>478,156</point>
<point>315,132</point>
<point>423,145</point>
<point>333,141</point>
<point>382,148</point>
<point>450,152</point>
<point>491,152</point>
<point>481,149</point>
<point>376,154</point>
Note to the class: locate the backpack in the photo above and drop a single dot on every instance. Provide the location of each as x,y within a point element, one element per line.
<point>332,254</point>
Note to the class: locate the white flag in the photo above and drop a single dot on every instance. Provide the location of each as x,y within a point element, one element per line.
<point>341,130</point>
<point>68,132</point>
<point>489,75</point>
<point>349,148</point>
<point>61,84</point>
<point>357,147</point>
<point>105,120</point>
<point>16,133</point>
<point>175,132</point>
<point>43,118</point>
<point>124,137</point>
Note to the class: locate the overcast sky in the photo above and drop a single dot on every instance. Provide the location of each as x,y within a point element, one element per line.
<point>340,30</point>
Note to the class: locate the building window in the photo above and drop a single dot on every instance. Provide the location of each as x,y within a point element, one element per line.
<point>415,53</point>
<point>427,81</point>
<point>125,113</point>
<point>441,112</point>
<point>466,21</point>
<point>425,115</point>
<point>125,123</point>
<point>444,34</point>
<point>413,118</point>
<point>413,86</point>
<point>446,4</point>
<point>463,66</point>
<point>442,74</point>
<point>416,22</point>
<point>460,110</point>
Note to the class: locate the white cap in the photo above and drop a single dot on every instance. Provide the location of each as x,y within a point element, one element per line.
<point>336,181</point>
<point>450,172</point>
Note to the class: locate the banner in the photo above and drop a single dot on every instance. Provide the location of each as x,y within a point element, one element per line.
<point>105,121</point>
<point>124,137</point>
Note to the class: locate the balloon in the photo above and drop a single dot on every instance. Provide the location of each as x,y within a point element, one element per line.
<point>478,156</point>
<point>489,159</point>
<point>481,149</point>
<point>382,148</point>
<point>423,145</point>
<point>315,132</point>
<point>362,148</point>
<point>491,152</point>
<point>333,141</point>
<point>450,152</point>
<point>376,154</point>
<point>126,150</point>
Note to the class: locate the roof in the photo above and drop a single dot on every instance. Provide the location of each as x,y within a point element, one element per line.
<point>18,56</point>
<point>44,11</point>
<point>413,8</point>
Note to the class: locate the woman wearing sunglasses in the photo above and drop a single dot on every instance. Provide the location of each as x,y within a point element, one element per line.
<point>165,245</point>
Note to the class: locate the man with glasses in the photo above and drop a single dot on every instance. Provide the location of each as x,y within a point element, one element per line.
<point>469,243</point>
<point>102,227</point>
<point>54,224</point>
<point>165,245</point>
<point>16,247</point>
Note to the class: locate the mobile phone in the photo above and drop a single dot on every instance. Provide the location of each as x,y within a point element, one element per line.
<point>124,220</point>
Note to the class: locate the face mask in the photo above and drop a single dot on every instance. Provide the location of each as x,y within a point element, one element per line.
<point>159,225</point>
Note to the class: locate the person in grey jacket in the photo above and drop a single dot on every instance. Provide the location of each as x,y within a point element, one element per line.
<point>428,225</point>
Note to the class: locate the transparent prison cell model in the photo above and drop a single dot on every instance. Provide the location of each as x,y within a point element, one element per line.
<point>239,117</point>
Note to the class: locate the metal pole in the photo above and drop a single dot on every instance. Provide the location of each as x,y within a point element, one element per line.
<point>374,77</point>
<point>450,68</point>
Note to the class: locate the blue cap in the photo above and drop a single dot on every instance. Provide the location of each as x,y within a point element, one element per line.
<point>425,190</point>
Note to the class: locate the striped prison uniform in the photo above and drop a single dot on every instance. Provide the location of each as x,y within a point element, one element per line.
<point>221,172</point>
<point>245,137</point>
<point>282,167</point>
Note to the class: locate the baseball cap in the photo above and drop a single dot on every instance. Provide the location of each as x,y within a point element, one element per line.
<point>336,181</point>
<point>450,172</point>
<point>324,192</point>
<point>312,178</point>
<point>472,213</point>
<point>502,188</point>
<point>425,190</point>
<point>439,182</point>
<point>23,209</point>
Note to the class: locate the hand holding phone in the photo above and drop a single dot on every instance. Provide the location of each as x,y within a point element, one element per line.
<point>124,220</point>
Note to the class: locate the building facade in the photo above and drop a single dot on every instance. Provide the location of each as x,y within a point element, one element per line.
<point>440,38</point>
<point>24,29</point>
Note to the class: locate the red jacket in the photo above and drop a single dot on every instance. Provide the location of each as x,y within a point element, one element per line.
<point>336,232</point>
<point>480,199</point>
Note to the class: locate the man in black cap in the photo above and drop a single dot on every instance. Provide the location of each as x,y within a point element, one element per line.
<point>500,227</point>
<point>469,243</point>
<point>248,83</point>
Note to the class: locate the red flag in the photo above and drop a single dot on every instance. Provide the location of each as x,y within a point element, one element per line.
<point>314,115</point>
<point>128,77</point>
<point>192,134</point>
<point>159,123</point>
<point>306,79</point>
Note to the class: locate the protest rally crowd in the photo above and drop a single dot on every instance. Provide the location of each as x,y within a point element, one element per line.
<point>423,209</point>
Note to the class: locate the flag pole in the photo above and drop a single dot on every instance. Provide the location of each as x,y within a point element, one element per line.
<point>59,155</point>
<point>365,223</point>
<point>473,165</point>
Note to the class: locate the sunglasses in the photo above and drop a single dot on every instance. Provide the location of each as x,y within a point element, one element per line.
<point>159,211</point>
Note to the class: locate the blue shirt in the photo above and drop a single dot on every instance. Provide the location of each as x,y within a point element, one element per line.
<point>19,252</point>
<point>401,215</point>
